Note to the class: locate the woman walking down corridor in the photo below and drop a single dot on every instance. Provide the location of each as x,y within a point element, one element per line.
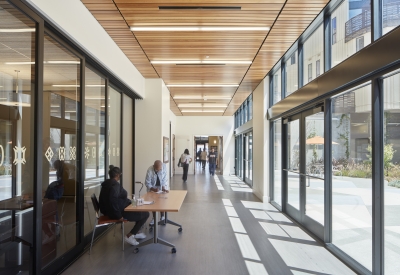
<point>186,159</point>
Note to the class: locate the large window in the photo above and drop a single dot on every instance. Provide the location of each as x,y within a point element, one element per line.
<point>390,14</point>
<point>391,165</point>
<point>351,179</point>
<point>61,107</point>
<point>291,70</point>
<point>94,151</point>
<point>114,126</point>
<point>276,87</point>
<point>278,161</point>
<point>313,55</point>
<point>17,76</point>
<point>351,29</point>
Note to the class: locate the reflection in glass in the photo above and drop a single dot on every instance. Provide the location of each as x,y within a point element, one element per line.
<point>94,151</point>
<point>293,163</point>
<point>315,167</point>
<point>351,179</point>
<point>278,161</point>
<point>114,125</point>
<point>391,14</point>
<point>391,127</point>
<point>17,76</point>
<point>276,87</point>
<point>313,54</point>
<point>61,96</point>
<point>351,29</point>
<point>291,70</point>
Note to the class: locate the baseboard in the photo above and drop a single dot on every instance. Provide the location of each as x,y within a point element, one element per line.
<point>258,194</point>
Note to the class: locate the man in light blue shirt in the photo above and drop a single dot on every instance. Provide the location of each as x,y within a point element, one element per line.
<point>156,177</point>
<point>157,180</point>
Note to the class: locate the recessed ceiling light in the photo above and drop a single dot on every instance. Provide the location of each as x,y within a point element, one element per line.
<point>202,111</point>
<point>178,28</point>
<point>203,85</point>
<point>222,62</point>
<point>201,97</point>
<point>206,105</point>
<point>19,63</point>
<point>62,62</point>
<point>18,30</point>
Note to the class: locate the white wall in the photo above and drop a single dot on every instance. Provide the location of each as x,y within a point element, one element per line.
<point>76,20</point>
<point>261,141</point>
<point>189,126</point>
<point>148,128</point>
<point>173,166</point>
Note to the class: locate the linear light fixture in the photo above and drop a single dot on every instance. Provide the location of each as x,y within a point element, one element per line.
<point>194,28</point>
<point>45,62</point>
<point>63,62</point>
<point>19,63</point>
<point>205,105</point>
<point>18,30</point>
<point>199,7</point>
<point>192,62</point>
<point>202,111</point>
<point>201,97</point>
<point>73,85</point>
<point>65,85</point>
<point>203,85</point>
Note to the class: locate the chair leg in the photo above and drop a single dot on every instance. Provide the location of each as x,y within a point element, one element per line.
<point>91,244</point>
<point>123,236</point>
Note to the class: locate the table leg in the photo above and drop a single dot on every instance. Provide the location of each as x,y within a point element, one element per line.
<point>155,238</point>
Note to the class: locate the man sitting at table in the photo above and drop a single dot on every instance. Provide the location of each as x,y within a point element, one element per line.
<point>114,199</point>
<point>157,180</point>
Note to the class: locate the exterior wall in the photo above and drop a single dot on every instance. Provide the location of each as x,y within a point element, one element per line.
<point>190,126</point>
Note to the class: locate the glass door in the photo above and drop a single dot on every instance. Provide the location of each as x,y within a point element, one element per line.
<point>305,169</point>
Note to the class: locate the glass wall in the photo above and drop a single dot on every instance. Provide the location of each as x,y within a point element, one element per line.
<point>292,74</point>
<point>278,161</point>
<point>391,165</point>
<point>61,107</point>
<point>17,76</point>
<point>114,125</point>
<point>352,177</point>
<point>390,15</point>
<point>276,86</point>
<point>294,163</point>
<point>313,55</point>
<point>244,112</point>
<point>351,29</point>
<point>94,151</point>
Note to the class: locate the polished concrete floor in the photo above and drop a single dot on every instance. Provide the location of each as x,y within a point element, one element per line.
<point>226,230</point>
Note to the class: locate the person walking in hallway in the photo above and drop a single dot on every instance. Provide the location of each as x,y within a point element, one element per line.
<point>203,158</point>
<point>186,159</point>
<point>212,161</point>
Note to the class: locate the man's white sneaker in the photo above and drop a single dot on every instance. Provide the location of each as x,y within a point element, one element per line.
<point>152,222</point>
<point>162,218</point>
<point>140,236</point>
<point>131,240</point>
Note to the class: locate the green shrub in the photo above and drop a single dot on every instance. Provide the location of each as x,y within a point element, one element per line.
<point>394,183</point>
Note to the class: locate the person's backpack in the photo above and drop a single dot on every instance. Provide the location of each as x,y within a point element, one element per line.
<point>55,190</point>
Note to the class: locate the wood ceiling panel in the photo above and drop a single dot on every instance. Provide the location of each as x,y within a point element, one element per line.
<point>287,20</point>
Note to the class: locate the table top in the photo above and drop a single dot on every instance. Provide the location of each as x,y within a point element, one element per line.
<point>168,202</point>
<point>14,204</point>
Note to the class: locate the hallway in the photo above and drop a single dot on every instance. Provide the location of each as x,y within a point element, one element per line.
<point>226,230</point>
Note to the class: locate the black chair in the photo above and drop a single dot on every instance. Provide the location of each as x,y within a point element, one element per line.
<point>103,220</point>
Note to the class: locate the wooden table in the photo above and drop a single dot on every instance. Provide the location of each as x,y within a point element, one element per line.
<point>165,202</point>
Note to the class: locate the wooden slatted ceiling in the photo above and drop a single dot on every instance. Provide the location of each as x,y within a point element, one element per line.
<point>287,18</point>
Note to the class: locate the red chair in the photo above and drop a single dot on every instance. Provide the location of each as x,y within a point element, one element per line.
<point>103,220</point>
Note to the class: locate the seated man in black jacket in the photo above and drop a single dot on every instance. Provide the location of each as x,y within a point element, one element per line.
<point>114,199</point>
